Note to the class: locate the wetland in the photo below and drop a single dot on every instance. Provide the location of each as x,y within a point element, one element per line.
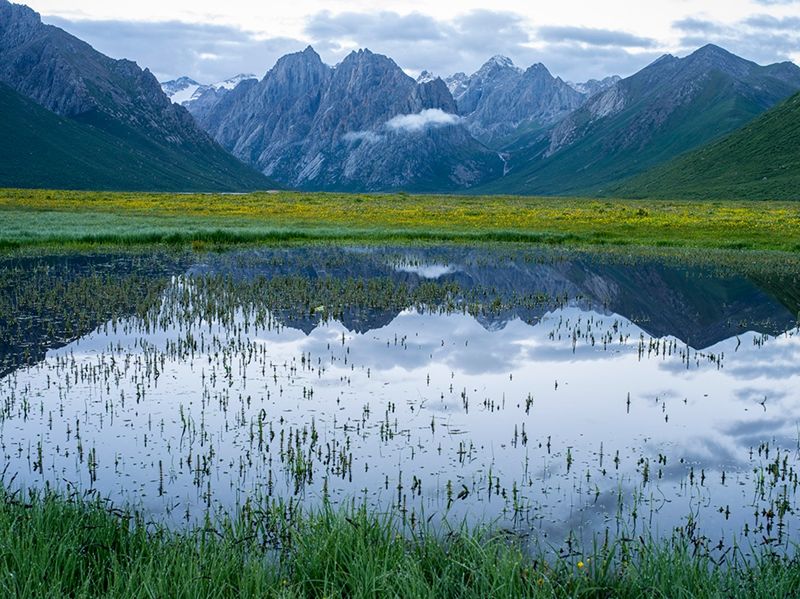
<point>564,397</point>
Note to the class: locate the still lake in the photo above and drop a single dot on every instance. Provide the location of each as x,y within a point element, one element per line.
<point>556,395</point>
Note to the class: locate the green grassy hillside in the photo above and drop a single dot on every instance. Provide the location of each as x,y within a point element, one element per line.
<point>44,150</point>
<point>673,106</point>
<point>759,161</point>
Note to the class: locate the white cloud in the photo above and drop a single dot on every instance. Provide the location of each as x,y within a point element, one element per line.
<point>365,136</point>
<point>414,123</point>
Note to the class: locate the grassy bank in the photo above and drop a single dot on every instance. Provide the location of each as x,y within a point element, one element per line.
<point>50,547</point>
<point>79,218</point>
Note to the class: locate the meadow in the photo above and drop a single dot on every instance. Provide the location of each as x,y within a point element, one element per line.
<point>35,217</point>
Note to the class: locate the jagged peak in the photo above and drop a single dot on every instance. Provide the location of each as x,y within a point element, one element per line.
<point>307,56</point>
<point>538,69</point>
<point>497,64</point>
<point>366,56</point>
<point>712,50</point>
<point>427,77</point>
<point>361,53</point>
<point>180,80</point>
<point>500,61</point>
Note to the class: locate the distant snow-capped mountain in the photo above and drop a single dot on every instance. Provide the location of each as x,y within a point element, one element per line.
<point>185,89</point>
<point>594,86</point>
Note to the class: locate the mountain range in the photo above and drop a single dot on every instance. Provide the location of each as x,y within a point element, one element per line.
<point>553,137</point>
<point>671,106</point>
<point>80,119</point>
<point>363,125</point>
<point>185,90</point>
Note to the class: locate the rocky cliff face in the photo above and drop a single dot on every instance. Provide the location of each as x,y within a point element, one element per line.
<point>68,77</point>
<point>500,98</point>
<point>362,125</point>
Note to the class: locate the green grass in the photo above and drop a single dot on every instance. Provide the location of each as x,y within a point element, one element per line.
<point>758,161</point>
<point>625,144</point>
<point>41,218</point>
<point>53,547</point>
<point>42,149</point>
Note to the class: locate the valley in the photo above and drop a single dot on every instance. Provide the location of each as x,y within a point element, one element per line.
<point>390,313</point>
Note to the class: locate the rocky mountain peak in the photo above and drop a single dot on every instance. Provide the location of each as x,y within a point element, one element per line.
<point>17,16</point>
<point>432,93</point>
<point>500,61</point>
<point>711,56</point>
<point>457,83</point>
<point>538,71</point>
<point>500,97</point>
<point>182,81</point>
<point>426,77</point>
<point>307,57</point>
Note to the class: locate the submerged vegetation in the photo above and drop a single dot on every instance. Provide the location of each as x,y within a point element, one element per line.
<point>34,217</point>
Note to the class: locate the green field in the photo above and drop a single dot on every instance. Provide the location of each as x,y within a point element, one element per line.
<point>41,218</point>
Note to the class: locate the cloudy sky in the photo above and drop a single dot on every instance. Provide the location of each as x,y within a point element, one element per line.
<point>576,39</point>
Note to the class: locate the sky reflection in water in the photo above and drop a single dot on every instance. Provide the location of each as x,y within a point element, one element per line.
<point>564,417</point>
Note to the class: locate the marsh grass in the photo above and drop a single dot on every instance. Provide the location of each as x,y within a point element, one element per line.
<point>39,217</point>
<point>51,546</point>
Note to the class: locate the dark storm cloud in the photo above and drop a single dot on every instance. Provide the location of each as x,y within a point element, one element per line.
<point>207,53</point>
<point>595,37</point>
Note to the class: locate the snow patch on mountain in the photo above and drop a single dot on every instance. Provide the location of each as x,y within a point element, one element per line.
<point>185,90</point>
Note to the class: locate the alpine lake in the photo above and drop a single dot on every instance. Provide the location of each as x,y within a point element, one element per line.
<point>565,397</point>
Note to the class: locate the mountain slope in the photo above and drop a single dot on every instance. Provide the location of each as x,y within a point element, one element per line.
<point>759,161</point>
<point>669,107</point>
<point>363,125</point>
<point>69,78</point>
<point>54,152</point>
<point>500,98</point>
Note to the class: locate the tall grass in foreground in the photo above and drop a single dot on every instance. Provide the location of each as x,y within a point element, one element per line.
<point>52,547</point>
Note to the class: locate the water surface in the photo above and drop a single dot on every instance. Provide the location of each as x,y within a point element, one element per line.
<point>547,394</point>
